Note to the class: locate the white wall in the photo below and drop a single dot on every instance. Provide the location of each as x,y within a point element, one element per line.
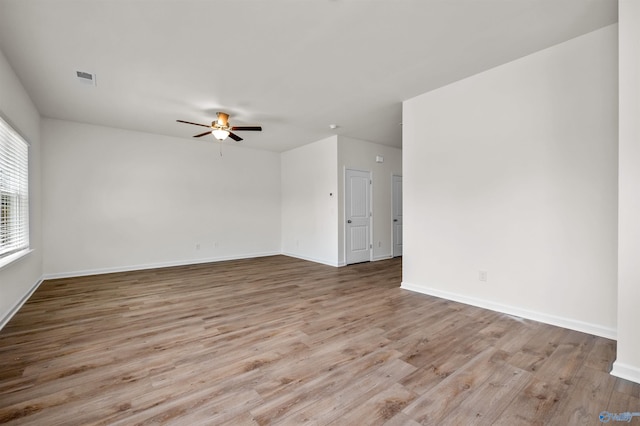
<point>19,278</point>
<point>310,201</point>
<point>361,155</point>
<point>627,364</point>
<point>118,200</point>
<point>312,219</point>
<point>514,171</point>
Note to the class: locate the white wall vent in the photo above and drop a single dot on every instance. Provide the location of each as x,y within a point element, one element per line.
<point>86,77</point>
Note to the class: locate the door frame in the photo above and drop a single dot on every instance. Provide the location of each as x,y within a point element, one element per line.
<point>393,228</point>
<point>344,211</point>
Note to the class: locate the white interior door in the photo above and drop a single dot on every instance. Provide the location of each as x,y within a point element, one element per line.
<point>357,216</point>
<point>397,215</point>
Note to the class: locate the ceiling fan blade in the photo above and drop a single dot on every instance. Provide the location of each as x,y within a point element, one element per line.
<point>203,134</point>
<point>235,137</point>
<point>195,124</point>
<point>255,128</point>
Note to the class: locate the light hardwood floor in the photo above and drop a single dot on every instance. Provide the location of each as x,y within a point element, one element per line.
<point>277,340</point>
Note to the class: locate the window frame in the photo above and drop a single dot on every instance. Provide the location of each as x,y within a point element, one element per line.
<point>14,194</point>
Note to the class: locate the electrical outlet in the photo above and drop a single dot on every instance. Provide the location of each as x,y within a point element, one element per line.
<point>482,275</point>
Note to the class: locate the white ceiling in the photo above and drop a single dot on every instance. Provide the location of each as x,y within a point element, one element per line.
<point>293,66</point>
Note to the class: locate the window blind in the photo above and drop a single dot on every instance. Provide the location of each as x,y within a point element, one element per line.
<point>14,191</point>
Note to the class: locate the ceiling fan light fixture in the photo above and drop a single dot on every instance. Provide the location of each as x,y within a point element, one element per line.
<point>220,134</point>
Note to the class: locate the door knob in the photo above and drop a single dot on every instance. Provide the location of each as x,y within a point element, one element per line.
<point>395,220</point>
<point>349,221</point>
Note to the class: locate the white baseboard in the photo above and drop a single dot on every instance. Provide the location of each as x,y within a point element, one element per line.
<point>130,268</point>
<point>382,257</point>
<point>5,320</point>
<point>572,324</point>
<point>312,259</point>
<point>626,371</point>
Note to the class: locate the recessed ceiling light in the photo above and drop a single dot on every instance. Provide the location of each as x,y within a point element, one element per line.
<point>333,126</point>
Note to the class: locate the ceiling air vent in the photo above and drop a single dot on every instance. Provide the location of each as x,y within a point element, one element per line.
<point>86,77</point>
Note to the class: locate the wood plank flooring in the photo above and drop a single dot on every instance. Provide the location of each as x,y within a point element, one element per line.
<point>277,340</point>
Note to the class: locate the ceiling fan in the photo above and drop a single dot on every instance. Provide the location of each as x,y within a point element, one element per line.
<point>220,128</point>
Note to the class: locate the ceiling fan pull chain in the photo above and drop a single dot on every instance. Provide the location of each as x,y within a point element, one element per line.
<point>220,148</point>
